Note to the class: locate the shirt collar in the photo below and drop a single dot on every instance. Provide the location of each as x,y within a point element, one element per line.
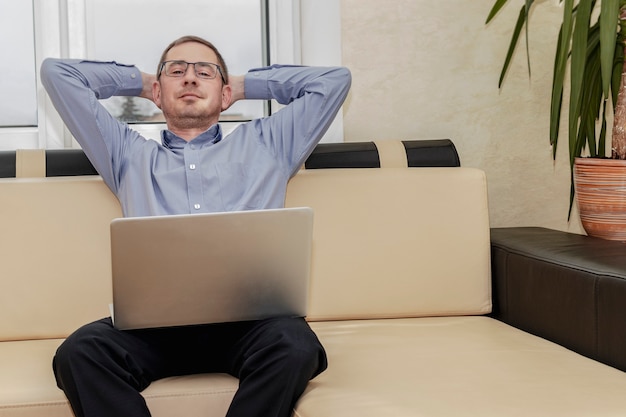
<point>209,137</point>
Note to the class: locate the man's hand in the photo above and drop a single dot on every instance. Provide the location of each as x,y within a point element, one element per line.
<point>148,80</point>
<point>236,84</point>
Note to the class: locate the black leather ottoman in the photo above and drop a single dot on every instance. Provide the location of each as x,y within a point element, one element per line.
<point>564,287</point>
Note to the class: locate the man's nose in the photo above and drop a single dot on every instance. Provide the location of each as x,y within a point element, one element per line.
<point>190,75</point>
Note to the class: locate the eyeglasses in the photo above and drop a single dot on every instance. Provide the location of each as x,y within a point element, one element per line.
<point>204,70</point>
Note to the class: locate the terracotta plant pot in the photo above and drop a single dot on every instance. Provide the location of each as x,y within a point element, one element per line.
<point>600,186</point>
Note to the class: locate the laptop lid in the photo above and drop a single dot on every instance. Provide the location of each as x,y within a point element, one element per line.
<point>210,268</point>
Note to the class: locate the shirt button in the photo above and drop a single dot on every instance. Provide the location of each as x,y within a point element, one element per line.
<point>192,147</point>
<point>196,206</point>
<point>192,166</point>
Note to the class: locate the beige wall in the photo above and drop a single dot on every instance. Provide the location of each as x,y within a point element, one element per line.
<point>425,69</point>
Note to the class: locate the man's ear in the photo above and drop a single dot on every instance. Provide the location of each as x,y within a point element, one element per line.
<point>156,93</point>
<point>227,97</point>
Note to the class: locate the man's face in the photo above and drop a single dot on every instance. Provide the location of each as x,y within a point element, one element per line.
<point>190,101</point>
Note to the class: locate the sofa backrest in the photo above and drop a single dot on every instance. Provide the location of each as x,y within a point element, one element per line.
<point>397,242</point>
<point>388,242</point>
<point>55,271</point>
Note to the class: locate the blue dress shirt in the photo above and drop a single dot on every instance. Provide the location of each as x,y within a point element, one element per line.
<point>248,169</point>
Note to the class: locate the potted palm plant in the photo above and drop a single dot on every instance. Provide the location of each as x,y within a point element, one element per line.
<point>591,41</point>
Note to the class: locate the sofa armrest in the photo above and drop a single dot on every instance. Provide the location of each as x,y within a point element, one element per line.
<point>564,287</point>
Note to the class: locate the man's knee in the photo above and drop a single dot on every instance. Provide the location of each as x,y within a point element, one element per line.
<point>83,338</point>
<point>299,347</point>
<point>79,346</point>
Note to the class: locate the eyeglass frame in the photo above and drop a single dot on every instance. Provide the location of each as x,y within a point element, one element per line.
<point>162,67</point>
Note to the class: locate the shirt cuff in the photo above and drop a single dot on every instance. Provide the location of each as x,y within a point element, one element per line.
<point>256,84</point>
<point>132,83</point>
<point>127,79</point>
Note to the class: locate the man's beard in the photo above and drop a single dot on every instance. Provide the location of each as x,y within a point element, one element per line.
<point>189,120</point>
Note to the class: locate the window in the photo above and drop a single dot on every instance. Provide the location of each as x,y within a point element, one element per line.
<point>267,31</point>
<point>18,96</point>
<point>139,35</point>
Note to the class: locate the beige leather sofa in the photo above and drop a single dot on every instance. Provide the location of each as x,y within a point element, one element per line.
<point>400,298</point>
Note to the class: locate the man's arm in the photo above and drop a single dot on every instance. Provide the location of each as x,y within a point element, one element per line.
<point>312,95</point>
<point>75,86</point>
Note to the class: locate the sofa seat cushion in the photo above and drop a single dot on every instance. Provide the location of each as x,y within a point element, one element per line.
<point>27,387</point>
<point>455,366</point>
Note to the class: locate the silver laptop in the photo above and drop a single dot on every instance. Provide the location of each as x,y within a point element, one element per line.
<point>210,268</point>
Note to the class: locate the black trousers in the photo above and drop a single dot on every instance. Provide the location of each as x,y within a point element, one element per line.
<point>102,370</point>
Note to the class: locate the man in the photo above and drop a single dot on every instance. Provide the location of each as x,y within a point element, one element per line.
<point>102,370</point>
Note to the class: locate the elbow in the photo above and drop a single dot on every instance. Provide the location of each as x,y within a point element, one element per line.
<point>49,68</point>
<point>345,76</point>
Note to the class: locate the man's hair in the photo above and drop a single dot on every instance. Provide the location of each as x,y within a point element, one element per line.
<point>197,39</point>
